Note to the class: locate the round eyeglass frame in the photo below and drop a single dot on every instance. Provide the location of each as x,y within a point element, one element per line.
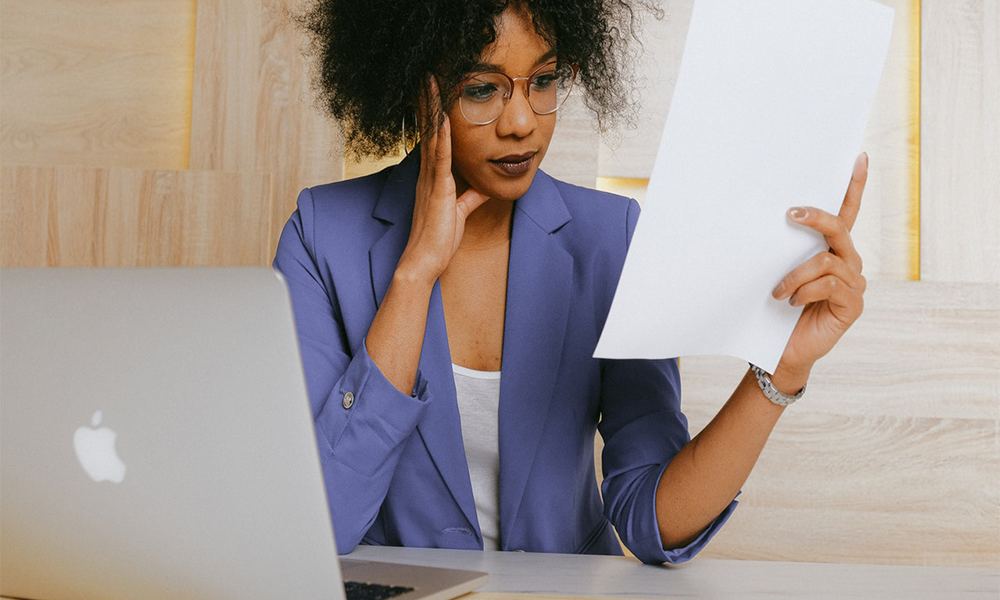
<point>527,91</point>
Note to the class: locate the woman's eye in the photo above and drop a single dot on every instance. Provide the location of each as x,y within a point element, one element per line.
<point>543,81</point>
<point>479,92</point>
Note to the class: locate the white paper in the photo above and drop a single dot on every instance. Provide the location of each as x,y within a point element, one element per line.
<point>768,113</point>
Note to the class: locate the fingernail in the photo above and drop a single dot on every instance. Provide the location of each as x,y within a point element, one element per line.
<point>798,213</point>
<point>778,290</point>
<point>793,300</point>
<point>860,165</point>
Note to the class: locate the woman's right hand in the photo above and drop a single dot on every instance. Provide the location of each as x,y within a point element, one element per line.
<point>439,214</point>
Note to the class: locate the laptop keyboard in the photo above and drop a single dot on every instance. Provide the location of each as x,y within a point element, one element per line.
<point>372,591</point>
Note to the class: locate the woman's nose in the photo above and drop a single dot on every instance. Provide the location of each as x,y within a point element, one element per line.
<point>517,118</point>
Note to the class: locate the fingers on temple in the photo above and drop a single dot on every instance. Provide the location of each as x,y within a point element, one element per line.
<point>428,138</point>
<point>433,124</point>
<point>443,150</point>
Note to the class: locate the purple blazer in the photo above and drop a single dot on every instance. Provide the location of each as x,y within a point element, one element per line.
<point>394,464</point>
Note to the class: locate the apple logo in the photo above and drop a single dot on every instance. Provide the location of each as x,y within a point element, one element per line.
<point>95,449</point>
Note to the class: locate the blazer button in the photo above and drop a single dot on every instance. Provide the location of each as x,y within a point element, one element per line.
<point>348,400</point>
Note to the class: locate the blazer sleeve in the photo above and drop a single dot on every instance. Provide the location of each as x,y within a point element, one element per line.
<point>643,429</point>
<point>362,422</point>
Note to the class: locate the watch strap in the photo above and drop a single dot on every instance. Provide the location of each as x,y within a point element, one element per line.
<point>772,393</point>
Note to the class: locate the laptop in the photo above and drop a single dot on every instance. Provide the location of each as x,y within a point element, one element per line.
<point>156,441</point>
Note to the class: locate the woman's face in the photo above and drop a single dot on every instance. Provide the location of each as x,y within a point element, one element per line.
<point>500,159</point>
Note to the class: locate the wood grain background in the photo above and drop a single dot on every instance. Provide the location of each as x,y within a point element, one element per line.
<point>96,84</point>
<point>180,132</point>
<point>960,133</point>
<point>892,455</point>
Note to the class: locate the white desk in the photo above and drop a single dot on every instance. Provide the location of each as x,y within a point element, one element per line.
<point>619,577</point>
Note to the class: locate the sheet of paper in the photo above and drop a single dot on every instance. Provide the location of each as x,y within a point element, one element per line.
<point>768,113</point>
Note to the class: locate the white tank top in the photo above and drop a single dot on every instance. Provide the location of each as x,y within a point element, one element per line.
<point>478,405</point>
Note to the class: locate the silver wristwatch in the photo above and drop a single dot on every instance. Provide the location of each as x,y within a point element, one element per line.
<point>772,393</point>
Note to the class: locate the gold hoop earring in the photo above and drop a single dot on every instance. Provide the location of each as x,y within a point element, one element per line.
<point>406,148</point>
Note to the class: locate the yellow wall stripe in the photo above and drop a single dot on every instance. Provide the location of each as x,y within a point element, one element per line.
<point>914,141</point>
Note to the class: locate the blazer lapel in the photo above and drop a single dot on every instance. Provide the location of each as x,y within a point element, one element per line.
<point>441,427</point>
<point>394,209</point>
<point>440,430</point>
<point>539,285</point>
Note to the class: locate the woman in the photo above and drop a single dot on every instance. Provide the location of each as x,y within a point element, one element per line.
<point>448,307</point>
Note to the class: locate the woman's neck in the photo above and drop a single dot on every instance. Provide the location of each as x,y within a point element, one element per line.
<point>488,225</point>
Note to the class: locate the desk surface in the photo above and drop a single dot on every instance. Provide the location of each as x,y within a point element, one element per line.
<point>563,576</point>
<point>619,577</point>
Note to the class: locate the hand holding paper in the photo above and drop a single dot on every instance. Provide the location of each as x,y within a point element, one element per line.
<point>829,285</point>
<point>768,113</point>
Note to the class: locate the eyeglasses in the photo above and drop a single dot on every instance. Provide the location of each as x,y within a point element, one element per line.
<point>483,96</point>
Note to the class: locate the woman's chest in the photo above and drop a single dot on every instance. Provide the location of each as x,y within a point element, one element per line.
<point>474,295</point>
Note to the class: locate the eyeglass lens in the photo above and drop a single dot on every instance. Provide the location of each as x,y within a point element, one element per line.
<point>482,96</point>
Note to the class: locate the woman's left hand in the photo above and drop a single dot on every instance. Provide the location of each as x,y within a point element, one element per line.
<point>829,285</point>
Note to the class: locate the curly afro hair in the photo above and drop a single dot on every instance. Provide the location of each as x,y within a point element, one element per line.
<point>372,57</point>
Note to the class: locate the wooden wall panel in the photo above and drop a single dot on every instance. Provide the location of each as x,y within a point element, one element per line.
<point>892,456</point>
<point>960,120</point>
<point>24,220</point>
<point>253,105</point>
<point>108,83</point>
<point>885,232</point>
<point>96,83</point>
<point>215,218</point>
<point>295,141</point>
<point>224,107</point>
<point>573,154</point>
<point>80,216</point>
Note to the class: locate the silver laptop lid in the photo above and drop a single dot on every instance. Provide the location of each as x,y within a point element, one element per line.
<point>192,377</point>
